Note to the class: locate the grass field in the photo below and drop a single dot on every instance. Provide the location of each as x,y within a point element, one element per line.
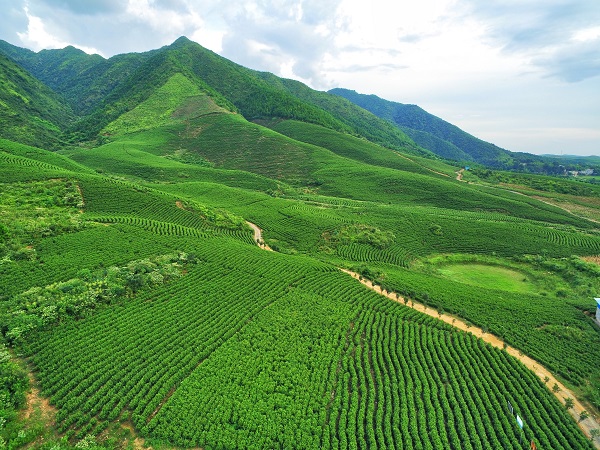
<point>492,277</point>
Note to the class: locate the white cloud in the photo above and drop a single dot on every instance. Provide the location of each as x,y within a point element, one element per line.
<point>587,34</point>
<point>163,20</point>
<point>37,37</point>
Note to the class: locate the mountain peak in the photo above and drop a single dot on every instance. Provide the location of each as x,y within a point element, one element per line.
<point>181,41</point>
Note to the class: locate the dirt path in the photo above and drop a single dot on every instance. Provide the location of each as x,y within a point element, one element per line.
<point>137,442</point>
<point>586,425</point>
<point>459,175</point>
<point>258,237</point>
<point>38,406</point>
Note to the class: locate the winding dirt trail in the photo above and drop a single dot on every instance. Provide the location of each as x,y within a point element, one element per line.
<point>562,394</point>
<point>586,425</point>
<point>258,237</point>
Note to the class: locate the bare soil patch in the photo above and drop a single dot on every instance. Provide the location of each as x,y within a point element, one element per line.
<point>592,259</point>
<point>138,443</point>
<point>35,403</point>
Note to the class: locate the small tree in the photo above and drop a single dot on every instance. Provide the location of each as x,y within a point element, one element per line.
<point>569,403</point>
<point>594,434</point>
<point>584,415</point>
<point>555,388</point>
<point>546,379</point>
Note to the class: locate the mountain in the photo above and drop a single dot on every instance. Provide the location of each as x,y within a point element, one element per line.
<point>30,112</point>
<point>99,90</point>
<point>431,132</point>
<point>82,80</point>
<point>361,121</point>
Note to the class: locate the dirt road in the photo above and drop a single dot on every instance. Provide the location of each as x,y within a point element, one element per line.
<point>258,237</point>
<point>586,425</point>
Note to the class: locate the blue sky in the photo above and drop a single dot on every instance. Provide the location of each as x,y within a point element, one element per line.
<point>523,74</point>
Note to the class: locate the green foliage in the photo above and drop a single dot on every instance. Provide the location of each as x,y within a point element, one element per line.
<point>39,155</point>
<point>41,307</point>
<point>430,131</point>
<point>84,79</point>
<point>13,386</point>
<point>162,105</point>
<point>137,88</point>
<point>347,146</point>
<point>360,233</point>
<point>29,211</point>
<point>550,329</point>
<point>236,354</point>
<point>255,349</point>
<point>539,182</point>
<point>359,120</point>
<point>30,112</point>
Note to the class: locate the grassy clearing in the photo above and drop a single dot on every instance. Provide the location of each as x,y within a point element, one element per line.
<point>178,98</point>
<point>492,277</point>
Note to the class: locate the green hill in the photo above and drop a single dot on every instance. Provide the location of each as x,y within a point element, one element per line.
<point>30,112</point>
<point>259,335</point>
<point>82,80</point>
<point>361,121</point>
<point>125,80</point>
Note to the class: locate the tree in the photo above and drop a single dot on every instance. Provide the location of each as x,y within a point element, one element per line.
<point>555,388</point>
<point>546,379</point>
<point>569,403</point>
<point>584,415</point>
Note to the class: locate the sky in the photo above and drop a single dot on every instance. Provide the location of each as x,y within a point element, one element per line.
<point>522,74</point>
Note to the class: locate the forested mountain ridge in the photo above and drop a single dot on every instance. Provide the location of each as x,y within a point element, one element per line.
<point>450,142</point>
<point>83,80</point>
<point>96,87</point>
<point>30,112</point>
<point>431,132</point>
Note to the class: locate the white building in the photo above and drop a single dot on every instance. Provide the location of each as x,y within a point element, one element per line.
<point>597,310</point>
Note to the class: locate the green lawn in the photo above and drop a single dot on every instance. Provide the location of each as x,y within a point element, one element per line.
<point>492,277</point>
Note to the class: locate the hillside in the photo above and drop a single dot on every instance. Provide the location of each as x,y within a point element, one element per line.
<point>87,80</point>
<point>82,80</point>
<point>135,300</point>
<point>431,132</point>
<point>29,111</point>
